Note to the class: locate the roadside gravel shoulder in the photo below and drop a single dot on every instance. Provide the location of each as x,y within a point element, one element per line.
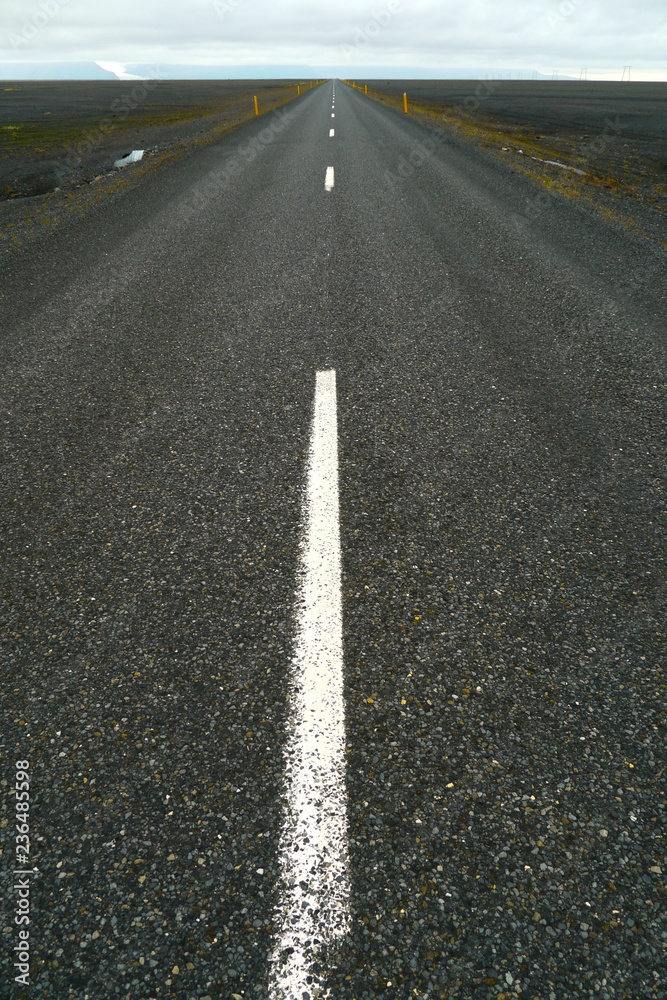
<point>96,181</point>
<point>625,182</point>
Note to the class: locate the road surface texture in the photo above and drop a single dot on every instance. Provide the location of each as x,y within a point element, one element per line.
<point>494,376</point>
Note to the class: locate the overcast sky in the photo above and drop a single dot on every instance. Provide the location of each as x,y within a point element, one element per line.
<point>341,37</point>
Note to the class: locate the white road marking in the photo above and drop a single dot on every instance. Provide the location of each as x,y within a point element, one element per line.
<point>314,906</point>
<point>329,179</point>
<point>333,115</point>
<point>331,132</point>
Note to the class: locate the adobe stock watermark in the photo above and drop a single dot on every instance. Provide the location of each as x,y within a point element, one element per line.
<point>216,184</point>
<point>483,91</point>
<point>31,26</point>
<point>424,150</point>
<point>612,129</point>
<point>407,165</point>
<point>225,7</point>
<point>22,873</point>
<point>365,34</point>
<point>539,203</point>
<point>563,11</point>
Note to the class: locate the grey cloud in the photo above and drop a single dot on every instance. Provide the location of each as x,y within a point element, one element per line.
<point>422,32</point>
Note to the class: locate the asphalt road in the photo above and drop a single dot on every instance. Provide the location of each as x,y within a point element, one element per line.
<point>500,376</point>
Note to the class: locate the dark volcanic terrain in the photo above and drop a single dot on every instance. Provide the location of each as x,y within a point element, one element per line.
<point>553,106</point>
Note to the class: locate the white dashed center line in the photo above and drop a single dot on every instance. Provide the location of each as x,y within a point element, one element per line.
<point>329,179</point>
<point>314,906</point>
<point>331,132</point>
<point>332,115</point>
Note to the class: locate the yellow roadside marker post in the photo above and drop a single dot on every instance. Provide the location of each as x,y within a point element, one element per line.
<point>298,91</point>
<point>365,88</point>
<point>256,108</point>
<point>405,103</point>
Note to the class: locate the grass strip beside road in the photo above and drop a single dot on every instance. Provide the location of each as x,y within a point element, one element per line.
<point>178,132</point>
<point>621,182</point>
<point>51,118</point>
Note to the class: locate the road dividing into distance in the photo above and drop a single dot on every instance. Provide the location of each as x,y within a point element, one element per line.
<point>314,896</point>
